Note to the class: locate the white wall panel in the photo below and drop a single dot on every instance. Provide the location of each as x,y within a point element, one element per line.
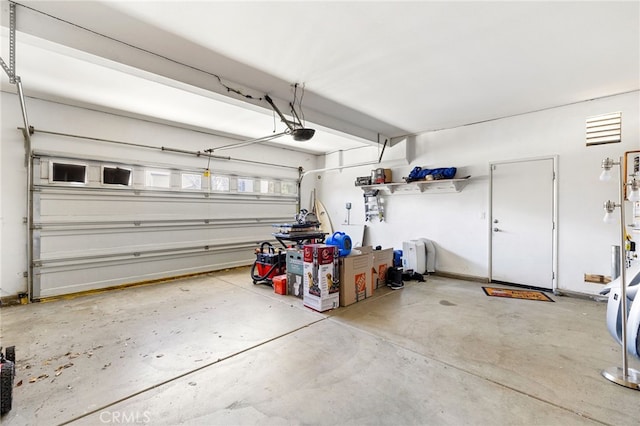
<point>458,222</point>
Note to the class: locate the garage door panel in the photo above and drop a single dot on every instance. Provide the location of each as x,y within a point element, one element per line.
<point>89,236</point>
<point>59,279</point>
<point>132,239</point>
<point>89,207</point>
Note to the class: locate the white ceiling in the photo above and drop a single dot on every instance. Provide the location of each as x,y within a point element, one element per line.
<point>368,68</point>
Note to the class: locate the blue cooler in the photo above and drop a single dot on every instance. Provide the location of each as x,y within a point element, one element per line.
<point>397,258</point>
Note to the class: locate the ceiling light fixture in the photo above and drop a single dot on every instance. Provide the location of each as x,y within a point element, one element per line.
<point>294,128</point>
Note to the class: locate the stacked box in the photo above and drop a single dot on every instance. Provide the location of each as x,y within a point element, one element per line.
<point>280,284</point>
<point>321,280</point>
<point>388,176</point>
<point>371,281</point>
<point>295,270</point>
<point>382,260</point>
<point>356,277</point>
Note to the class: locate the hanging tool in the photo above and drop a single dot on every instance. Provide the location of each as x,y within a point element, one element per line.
<point>372,205</point>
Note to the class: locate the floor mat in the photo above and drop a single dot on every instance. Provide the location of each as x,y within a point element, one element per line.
<point>517,294</point>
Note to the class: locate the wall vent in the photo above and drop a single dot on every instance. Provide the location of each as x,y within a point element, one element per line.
<point>606,128</point>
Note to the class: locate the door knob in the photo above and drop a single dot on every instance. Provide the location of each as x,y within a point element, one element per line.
<point>496,229</point>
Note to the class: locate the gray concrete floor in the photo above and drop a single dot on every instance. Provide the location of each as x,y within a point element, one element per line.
<point>218,350</point>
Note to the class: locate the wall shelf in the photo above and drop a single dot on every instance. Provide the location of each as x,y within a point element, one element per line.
<point>421,186</point>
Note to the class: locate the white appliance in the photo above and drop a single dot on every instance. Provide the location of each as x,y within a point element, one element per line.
<point>414,256</point>
<point>430,249</point>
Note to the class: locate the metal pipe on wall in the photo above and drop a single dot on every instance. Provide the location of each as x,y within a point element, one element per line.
<point>302,173</point>
<point>29,217</point>
<point>161,148</point>
<point>623,269</point>
<point>299,184</point>
<point>327,169</point>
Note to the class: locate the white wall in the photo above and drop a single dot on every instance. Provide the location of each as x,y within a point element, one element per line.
<point>454,221</point>
<point>66,119</point>
<point>458,222</point>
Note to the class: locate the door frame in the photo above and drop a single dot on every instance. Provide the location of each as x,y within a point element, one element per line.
<point>554,248</point>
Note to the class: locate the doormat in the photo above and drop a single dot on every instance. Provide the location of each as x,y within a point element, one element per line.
<point>517,294</point>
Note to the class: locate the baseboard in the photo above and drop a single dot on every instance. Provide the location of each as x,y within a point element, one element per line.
<point>596,297</point>
<point>461,277</point>
<point>17,300</point>
<point>10,300</point>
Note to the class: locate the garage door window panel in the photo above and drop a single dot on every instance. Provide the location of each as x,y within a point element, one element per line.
<point>157,179</point>
<point>191,181</point>
<point>113,175</point>
<point>72,173</point>
<point>220,183</point>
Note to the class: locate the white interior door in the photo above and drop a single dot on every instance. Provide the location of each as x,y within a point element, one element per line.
<point>522,222</point>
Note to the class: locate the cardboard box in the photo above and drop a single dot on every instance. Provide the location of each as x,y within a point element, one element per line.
<point>295,269</point>
<point>321,282</point>
<point>388,176</point>
<point>356,278</point>
<point>372,280</point>
<point>295,261</point>
<point>382,260</point>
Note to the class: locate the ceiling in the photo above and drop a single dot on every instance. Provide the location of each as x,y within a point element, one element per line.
<point>370,70</point>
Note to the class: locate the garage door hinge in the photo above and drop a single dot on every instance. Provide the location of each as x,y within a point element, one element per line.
<point>37,264</point>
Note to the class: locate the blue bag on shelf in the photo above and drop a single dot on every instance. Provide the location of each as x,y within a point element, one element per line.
<point>418,173</point>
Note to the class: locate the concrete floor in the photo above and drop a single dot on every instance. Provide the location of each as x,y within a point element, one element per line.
<point>218,350</point>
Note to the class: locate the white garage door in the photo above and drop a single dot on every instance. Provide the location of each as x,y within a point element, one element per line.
<point>99,224</point>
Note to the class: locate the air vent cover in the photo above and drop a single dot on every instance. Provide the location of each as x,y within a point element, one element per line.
<point>606,128</point>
